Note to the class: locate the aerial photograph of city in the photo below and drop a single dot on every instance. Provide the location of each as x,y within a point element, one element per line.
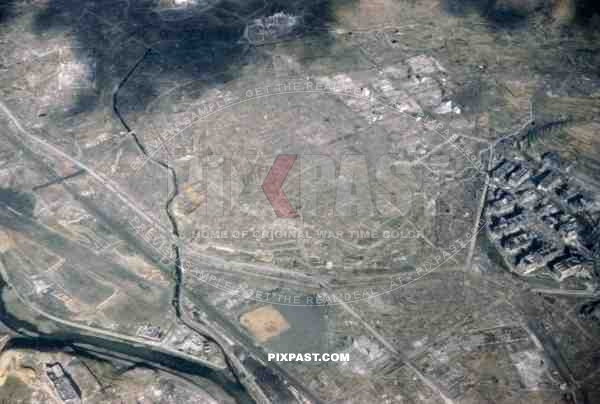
<point>300,201</point>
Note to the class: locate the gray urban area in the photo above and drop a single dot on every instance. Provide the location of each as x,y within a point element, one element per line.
<point>300,201</point>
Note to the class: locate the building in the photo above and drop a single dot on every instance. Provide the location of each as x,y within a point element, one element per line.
<point>547,249</point>
<point>550,181</point>
<point>504,204</point>
<point>528,263</point>
<point>507,224</point>
<point>519,176</point>
<point>271,28</point>
<point>572,265</point>
<point>568,228</point>
<point>547,209</point>
<point>64,386</point>
<point>504,169</point>
<point>150,331</point>
<point>515,242</point>
<point>536,257</point>
<point>528,197</point>
<point>496,193</point>
<point>194,345</point>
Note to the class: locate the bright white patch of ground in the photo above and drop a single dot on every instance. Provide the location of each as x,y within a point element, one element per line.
<point>530,366</point>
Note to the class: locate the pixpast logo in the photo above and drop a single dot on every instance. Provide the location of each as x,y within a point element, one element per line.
<point>359,192</point>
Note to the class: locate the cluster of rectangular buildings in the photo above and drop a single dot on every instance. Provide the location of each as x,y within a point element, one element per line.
<point>531,210</point>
